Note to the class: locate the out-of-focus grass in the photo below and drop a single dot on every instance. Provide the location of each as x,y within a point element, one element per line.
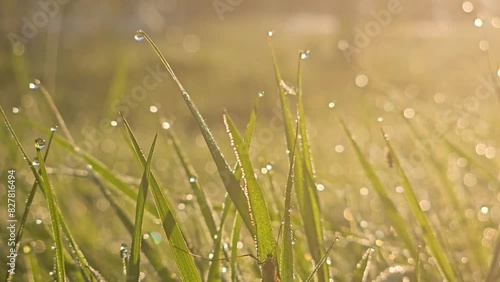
<point>431,75</point>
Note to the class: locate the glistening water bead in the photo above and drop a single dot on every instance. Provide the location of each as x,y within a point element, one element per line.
<point>54,128</point>
<point>39,143</point>
<point>35,84</point>
<point>304,54</point>
<point>139,35</point>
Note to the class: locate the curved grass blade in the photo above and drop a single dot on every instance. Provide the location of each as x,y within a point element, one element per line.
<point>257,205</point>
<point>235,237</point>
<point>203,200</point>
<point>394,216</point>
<point>306,197</point>
<point>363,267</point>
<point>168,218</point>
<point>135,252</point>
<point>321,262</point>
<point>214,271</point>
<point>149,251</point>
<point>43,181</point>
<point>229,180</point>
<point>428,234</point>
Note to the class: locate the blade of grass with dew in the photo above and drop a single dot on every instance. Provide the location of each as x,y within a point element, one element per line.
<point>214,273</point>
<point>203,200</point>
<point>286,255</point>
<point>450,195</point>
<point>229,180</point>
<point>168,218</point>
<point>29,202</point>
<point>149,250</point>
<point>135,252</point>
<point>43,179</point>
<point>235,238</point>
<point>321,262</point>
<point>257,205</point>
<point>32,265</point>
<point>394,216</point>
<point>427,232</point>
<point>363,267</point>
<point>305,197</point>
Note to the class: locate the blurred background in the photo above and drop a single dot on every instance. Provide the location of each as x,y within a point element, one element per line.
<point>379,63</point>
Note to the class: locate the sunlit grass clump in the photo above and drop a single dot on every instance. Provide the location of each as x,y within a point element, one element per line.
<point>247,238</point>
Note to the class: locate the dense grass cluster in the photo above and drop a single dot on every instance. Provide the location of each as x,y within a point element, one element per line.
<point>287,239</point>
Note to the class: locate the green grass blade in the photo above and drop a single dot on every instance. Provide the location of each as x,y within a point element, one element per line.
<point>230,182</point>
<point>286,256</point>
<point>235,238</point>
<point>214,271</point>
<point>363,267</point>
<point>494,271</point>
<point>169,220</point>
<point>306,198</point>
<point>394,216</point>
<point>428,234</point>
<point>257,204</point>
<point>135,253</point>
<point>321,262</point>
<point>43,181</point>
<point>203,200</point>
<point>150,251</point>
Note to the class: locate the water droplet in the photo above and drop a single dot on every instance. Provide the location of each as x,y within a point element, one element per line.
<point>331,105</point>
<point>139,35</point>
<point>39,143</point>
<point>478,22</point>
<point>380,119</point>
<point>53,247</point>
<point>467,6</point>
<point>270,33</point>
<point>165,125</point>
<point>181,206</point>
<point>269,167</point>
<point>153,109</point>
<point>35,162</point>
<point>35,84</point>
<point>27,249</point>
<point>15,110</point>
<point>192,180</point>
<point>305,54</point>
<point>261,94</point>
<point>484,45</point>
<point>320,187</point>
<point>339,148</point>
<point>89,167</point>
<point>189,197</point>
<point>38,221</point>
<point>361,80</point>
<point>409,113</point>
<point>54,128</point>
<point>114,123</point>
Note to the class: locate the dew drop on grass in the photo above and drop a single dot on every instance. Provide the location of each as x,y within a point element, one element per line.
<point>123,251</point>
<point>467,6</point>
<point>38,221</point>
<point>304,54</point>
<point>39,143</point>
<point>27,249</point>
<point>165,125</point>
<point>139,35</point>
<point>54,128</point>
<point>331,105</point>
<point>270,33</point>
<point>192,180</point>
<point>35,162</point>
<point>409,113</point>
<point>153,109</point>
<point>35,84</point>
<point>261,94</point>
<point>380,119</point>
<point>15,110</point>
<point>478,22</point>
<point>114,123</point>
<point>361,80</point>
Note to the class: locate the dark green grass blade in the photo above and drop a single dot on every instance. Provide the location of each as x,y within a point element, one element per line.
<point>363,267</point>
<point>150,251</point>
<point>286,256</point>
<point>230,182</point>
<point>43,181</point>
<point>394,216</point>
<point>257,204</point>
<point>135,253</point>
<point>321,262</point>
<point>428,234</point>
<point>169,220</point>
<point>203,200</point>
<point>33,267</point>
<point>214,271</point>
<point>306,198</point>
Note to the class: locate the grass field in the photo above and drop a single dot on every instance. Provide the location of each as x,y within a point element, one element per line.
<point>392,170</point>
